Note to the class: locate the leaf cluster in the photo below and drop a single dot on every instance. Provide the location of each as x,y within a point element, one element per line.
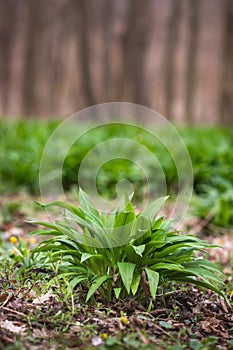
<point>122,253</point>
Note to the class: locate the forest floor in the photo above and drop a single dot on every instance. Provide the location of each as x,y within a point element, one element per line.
<point>33,316</point>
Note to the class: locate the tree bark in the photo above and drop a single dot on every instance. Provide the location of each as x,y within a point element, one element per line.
<point>84,16</point>
<point>7,21</point>
<point>107,36</point>
<point>30,61</point>
<point>226,106</point>
<point>135,46</point>
<point>191,59</point>
<point>171,44</point>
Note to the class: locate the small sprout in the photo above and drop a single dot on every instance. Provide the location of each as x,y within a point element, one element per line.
<point>104,336</point>
<point>124,320</point>
<point>13,239</point>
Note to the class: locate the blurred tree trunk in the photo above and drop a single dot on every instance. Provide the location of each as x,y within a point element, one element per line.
<point>83,27</point>
<point>59,56</point>
<point>191,58</point>
<point>7,26</point>
<point>135,47</point>
<point>30,60</point>
<point>172,32</point>
<point>107,36</point>
<point>226,107</point>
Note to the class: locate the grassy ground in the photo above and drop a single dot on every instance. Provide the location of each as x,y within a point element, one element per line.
<point>35,314</point>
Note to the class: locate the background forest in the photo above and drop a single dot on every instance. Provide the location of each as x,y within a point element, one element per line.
<point>175,56</point>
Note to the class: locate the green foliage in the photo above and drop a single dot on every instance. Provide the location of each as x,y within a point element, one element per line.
<point>22,144</point>
<point>117,169</point>
<point>215,203</point>
<point>211,151</point>
<point>122,253</point>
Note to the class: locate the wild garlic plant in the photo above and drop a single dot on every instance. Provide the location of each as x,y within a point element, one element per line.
<point>122,253</point>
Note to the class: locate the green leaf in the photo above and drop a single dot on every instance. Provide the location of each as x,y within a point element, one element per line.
<point>126,271</point>
<point>77,280</point>
<point>85,256</point>
<point>203,273</point>
<point>142,225</point>
<point>110,220</point>
<point>86,203</point>
<point>127,206</point>
<point>132,252</point>
<point>96,284</point>
<point>45,224</point>
<point>152,209</point>
<point>117,292</point>
<point>63,205</point>
<point>44,232</point>
<point>139,249</point>
<point>135,284</point>
<point>167,266</point>
<point>123,218</point>
<point>157,224</point>
<point>123,227</point>
<point>174,248</point>
<point>153,280</point>
<point>165,324</point>
<point>152,246</point>
<point>140,241</point>
<point>209,265</point>
<point>142,231</point>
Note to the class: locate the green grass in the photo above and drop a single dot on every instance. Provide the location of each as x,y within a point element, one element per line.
<point>22,144</point>
<point>211,150</point>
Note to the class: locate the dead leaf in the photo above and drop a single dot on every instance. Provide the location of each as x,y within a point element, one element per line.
<point>39,333</point>
<point>223,305</point>
<point>178,325</point>
<point>76,328</point>
<point>9,325</point>
<point>212,325</point>
<point>3,297</point>
<point>43,298</point>
<point>96,341</point>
